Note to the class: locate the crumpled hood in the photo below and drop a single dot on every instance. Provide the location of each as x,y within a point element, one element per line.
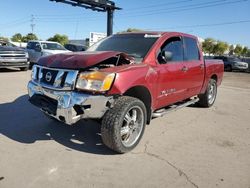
<point>77,60</point>
<point>9,48</point>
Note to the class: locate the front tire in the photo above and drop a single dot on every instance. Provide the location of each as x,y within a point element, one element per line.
<point>207,99</point>
<point>124,124</point>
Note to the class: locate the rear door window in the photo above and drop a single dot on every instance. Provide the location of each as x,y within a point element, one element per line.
<point>191,49</point>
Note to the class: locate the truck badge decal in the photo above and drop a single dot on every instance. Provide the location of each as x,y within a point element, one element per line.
<point>167,92</point>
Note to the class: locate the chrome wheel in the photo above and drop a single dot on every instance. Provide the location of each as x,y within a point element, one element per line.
<point>132,126</point>
<point>212,92</point>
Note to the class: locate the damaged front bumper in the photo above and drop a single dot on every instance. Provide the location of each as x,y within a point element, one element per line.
<point>68,106</point>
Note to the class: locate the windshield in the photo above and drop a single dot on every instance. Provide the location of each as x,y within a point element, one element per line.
<point>52,46</point>
<point>7,44</point>
<point>136,45</point>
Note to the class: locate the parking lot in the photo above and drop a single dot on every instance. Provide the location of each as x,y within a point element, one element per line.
<point>192,147</point>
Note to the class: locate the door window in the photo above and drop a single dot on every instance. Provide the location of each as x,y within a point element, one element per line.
<point>174,47</point>
<point>191,49</point>
<point>32,45</point>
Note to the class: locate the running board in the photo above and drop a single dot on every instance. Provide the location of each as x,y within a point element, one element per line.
<point>174,107</point>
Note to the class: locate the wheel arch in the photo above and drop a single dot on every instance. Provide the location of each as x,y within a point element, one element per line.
<point>215,77</point>
<point>143,94</point>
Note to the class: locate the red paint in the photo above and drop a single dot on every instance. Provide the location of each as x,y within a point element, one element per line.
<point>78,60</point>
<point>149,74</point>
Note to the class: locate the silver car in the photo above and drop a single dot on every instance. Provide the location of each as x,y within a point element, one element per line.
<point>37,49</point>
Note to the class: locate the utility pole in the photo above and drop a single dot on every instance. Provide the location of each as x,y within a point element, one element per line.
<point>96,5</point>
<point>32,24</point>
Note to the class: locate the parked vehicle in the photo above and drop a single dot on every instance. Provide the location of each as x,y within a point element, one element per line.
<point>37,49</point>
<point>233,63</point>
<point>13,57</point>
<point>125,80</point>
<point>75,47</point>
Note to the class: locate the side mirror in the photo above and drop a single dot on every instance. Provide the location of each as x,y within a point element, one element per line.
<point>167,56</point>
<point>37,49</point>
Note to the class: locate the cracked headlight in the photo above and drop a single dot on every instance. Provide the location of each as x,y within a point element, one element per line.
<point>95,81</point>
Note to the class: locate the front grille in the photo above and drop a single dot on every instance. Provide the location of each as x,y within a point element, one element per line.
<point>58,79</point>
<point>49,76</point>
<point>15,56</point>
<point>12,52</point>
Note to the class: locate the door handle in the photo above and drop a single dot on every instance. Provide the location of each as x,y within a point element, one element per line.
<point>184,69</point>
<point>201,66</point>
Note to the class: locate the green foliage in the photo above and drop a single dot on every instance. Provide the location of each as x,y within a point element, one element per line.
<point>17,37</point>
<point>4,39</point>
<point>62,39</point>
<point>231,49</point>
<point>238,49</point>
<point>131,30</point>
<point>208,45</point>
<point>248,53</point>
<point>28,37</point>
<point>244,51</point>
<point>220,48</point>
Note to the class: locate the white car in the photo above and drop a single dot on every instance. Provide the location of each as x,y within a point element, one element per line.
<point>37,49</point>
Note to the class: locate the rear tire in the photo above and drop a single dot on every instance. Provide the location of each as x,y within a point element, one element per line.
<point>229,68</point>
<point>207,99</point>
<point>124,124</point>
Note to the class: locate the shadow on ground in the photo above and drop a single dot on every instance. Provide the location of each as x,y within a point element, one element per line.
<point>5,70</point>
<point>24,123</point>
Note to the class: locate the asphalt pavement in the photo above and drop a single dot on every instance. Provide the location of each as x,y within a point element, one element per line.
<point>192,147</point>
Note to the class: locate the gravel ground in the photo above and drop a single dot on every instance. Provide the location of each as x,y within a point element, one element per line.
<point>192,147</point>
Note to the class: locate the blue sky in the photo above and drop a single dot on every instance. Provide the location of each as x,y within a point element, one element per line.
<point>227,20</point>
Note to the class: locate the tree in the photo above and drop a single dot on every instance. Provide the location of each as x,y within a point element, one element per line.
<point>244,51</point>
<point>28,37</point>
<point>208,45</point>
<point>4,39</point>
<point>220,48</point>
<point>131,30</point>
<point>17,37</point>
<point>238,49</point>
<point>248,53</point>
<point>231,50</point>
<point>62,39</point>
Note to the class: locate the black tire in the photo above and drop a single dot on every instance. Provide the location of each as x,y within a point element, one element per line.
<point>205,99</point>
<point>24,68</point>
<point>229,68</point>
<point>115,121</point>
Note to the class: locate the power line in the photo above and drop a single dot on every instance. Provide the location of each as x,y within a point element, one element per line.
<point>14,22</point>
<point>158,5</point>
<point>184,9</point>
<point>182,6</point>
<point>152,12</point>
<point>204,25</point>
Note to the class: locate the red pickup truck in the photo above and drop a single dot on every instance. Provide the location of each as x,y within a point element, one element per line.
<point>125,80</point>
